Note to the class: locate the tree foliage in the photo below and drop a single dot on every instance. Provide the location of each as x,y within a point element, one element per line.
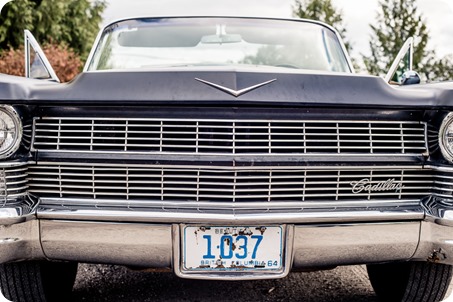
<point>441,70</point>
<point>324,11</point>
<point>397,20</point>
<point>65,62</point>
<point>15,17</point>
<point>68,22</point>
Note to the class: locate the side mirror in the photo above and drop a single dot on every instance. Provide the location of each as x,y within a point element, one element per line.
<point>410,77</point>
<point>402,64</point>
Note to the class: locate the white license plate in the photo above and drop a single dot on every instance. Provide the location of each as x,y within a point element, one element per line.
<point>232,248</point>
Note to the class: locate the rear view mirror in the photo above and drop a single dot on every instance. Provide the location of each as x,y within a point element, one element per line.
<point>221,39</point>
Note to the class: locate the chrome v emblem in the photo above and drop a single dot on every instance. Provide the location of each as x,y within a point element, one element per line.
<point>233,92</point>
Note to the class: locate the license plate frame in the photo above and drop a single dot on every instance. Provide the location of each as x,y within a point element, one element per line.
<point>269,251</point>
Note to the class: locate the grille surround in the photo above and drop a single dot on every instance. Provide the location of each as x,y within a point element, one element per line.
<point>252,187</point>
<point>245,137</point>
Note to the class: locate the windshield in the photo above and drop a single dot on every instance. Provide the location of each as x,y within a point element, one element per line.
<point>176,42</point>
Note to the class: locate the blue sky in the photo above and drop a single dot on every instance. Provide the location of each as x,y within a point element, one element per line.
<point>438,15</point>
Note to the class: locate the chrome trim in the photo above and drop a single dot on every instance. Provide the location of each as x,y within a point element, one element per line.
<point>13,183</point>
<point>151,205</point>
<point>235,93</point>
<point>402,213</point>
<point>215,157</point>
<point>15,214</point>
<point>287,261</point>
<point>427,141</point>
<point>29,38</point>
<point>238,168</point>
<point>439,168</point>
<point>94,48</point>
<point>439,211</point>
<point>446,152</point>
<point>343,48</point>
<point>13,164</point>
<point>407,46</point>
<point>12,113</point>
<point>247,137</point>
<point>16,205</point>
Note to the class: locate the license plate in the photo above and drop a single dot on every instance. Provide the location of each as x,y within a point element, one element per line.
<point>232,248</point>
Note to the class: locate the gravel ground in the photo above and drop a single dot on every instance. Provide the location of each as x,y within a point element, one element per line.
<point>115,283</point>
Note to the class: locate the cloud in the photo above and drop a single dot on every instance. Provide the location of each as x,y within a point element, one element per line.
<point>2,3</point>
<point>449,3</point>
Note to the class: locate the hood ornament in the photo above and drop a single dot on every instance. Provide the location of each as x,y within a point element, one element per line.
<point>235,93</point>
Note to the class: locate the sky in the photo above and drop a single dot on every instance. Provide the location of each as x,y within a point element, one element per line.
<point>357,15</point>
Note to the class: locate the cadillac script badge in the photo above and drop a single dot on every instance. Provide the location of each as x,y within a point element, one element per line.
<point>366,185</point>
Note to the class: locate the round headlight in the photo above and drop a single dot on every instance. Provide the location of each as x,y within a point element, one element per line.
<point>10,131</point>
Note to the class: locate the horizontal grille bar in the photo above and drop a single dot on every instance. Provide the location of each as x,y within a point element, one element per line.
<point>222,136</point>
<point>263,184</point>
<point>13,183</point>
<point>443,185</point>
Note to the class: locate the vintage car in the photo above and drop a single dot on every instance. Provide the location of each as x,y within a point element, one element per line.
<point>225,148</point>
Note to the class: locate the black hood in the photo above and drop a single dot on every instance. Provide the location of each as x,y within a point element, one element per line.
<point>177,86</point>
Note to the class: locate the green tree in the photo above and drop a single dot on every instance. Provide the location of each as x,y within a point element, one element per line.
<point>69,22</point>
<point>397,20</point>
<point>324,11</point>
<point>441,70</point>
<point>15,17</point>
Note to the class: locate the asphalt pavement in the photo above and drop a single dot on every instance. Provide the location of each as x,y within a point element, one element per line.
<point>116,283</point>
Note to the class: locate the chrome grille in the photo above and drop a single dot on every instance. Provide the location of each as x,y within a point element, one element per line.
<point>222,136</point>
<point>27,135</point>
<point>227,184</point>
<point>13,182</point>
<point>433,139</point>
<point>443,185</point>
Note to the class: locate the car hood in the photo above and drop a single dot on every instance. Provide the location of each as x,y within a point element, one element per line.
<point>195,85</point>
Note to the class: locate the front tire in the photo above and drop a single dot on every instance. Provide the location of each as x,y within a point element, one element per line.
<point>410,281</point>
<point>38,281</point>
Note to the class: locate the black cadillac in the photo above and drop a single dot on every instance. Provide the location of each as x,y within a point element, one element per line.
<point>224,148</point>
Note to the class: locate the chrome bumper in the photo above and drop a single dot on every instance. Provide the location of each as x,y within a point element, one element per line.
<point>151,245</point>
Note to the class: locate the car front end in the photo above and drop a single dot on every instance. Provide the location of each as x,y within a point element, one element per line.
<point>225,169</point>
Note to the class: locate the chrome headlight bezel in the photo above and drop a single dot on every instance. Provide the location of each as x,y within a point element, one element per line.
<point>10,131</point>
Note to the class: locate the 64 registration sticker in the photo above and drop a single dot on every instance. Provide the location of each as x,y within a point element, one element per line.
<point>208,248</point>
